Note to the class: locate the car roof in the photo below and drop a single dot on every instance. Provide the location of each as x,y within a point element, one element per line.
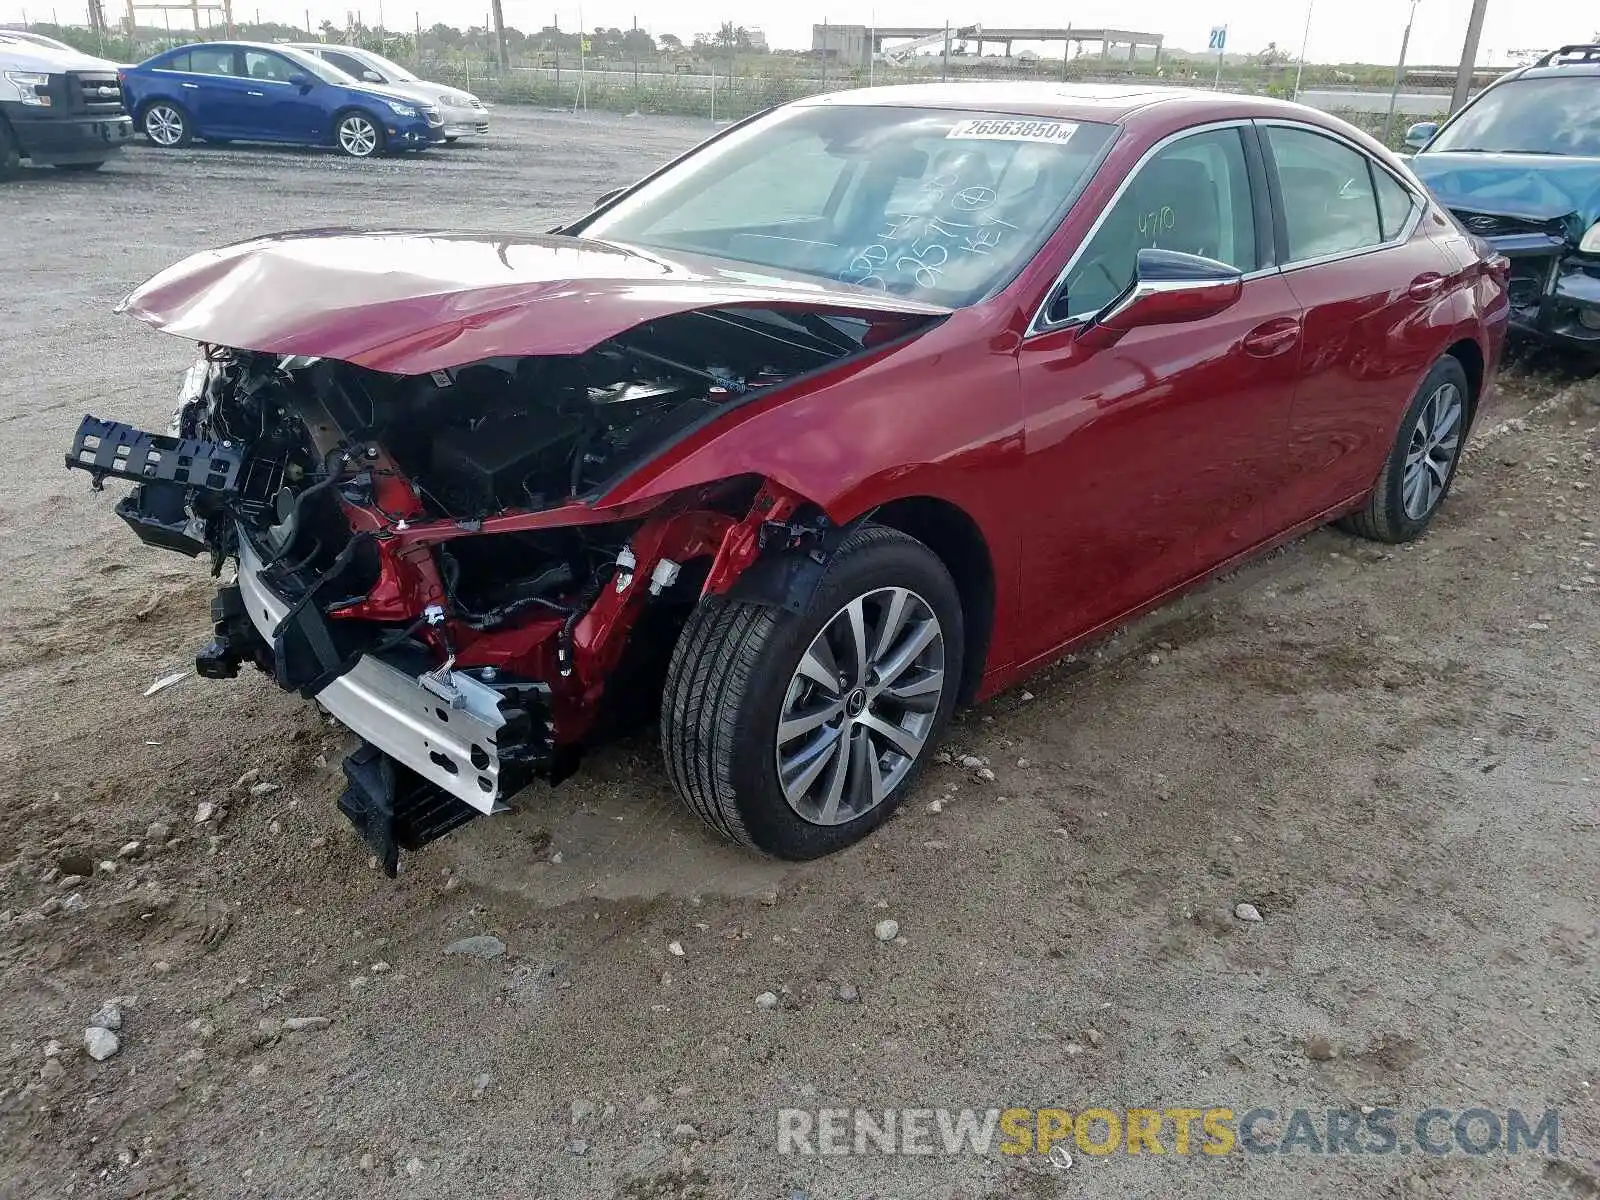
<point>1109,103</point>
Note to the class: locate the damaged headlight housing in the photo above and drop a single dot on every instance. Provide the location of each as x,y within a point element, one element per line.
<point>190,392</point>
<point>1590,242</point>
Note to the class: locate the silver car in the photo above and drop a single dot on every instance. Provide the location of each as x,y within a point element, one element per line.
<point>464,114</point>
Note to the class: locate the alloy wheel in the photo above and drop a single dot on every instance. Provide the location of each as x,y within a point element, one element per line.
<point>860,705</point>
<point>1435,442</point>
<point>358,137</point>
<point>163,125</point>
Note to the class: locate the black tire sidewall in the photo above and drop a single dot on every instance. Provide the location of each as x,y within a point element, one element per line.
<point>1406,527</point>
<point>10,151</point>
<point>772,825</point>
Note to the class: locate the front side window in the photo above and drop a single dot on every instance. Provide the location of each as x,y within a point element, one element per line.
<point>1192,196</point>
<point>270,67</point>
<point>937,205</point>
<point>344,62</point>
<point>1538,115</point>
<point>1329,205</point>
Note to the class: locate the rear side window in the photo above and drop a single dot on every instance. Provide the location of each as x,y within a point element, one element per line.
<point>1329,202</point>
<point>203,61</point>
<point>1395,203</point>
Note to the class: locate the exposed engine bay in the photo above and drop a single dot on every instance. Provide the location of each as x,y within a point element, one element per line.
<point>421,553</point>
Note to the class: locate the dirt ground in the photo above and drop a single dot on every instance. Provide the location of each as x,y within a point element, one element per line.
<point>1390,754</point>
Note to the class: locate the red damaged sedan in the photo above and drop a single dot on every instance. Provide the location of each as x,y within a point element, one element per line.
<point>863,409</point>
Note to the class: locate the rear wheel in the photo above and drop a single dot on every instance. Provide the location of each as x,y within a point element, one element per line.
<point>358,135</point>
<point>1422,462</point>
<point>165,124</point>
<point>798,734</point>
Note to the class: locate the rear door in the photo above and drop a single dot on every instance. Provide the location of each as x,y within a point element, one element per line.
<point>1367,280</point>
<point>1150,461</point>
<point>198,79</point>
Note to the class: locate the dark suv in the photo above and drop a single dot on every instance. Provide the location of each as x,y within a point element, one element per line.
<point>1520,167</point>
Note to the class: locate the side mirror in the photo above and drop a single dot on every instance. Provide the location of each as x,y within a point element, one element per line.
<point>372,76</point>
<point>1168,288</point>
<point>303,82</point>
<point>605,198</point>
<point>1420,134</point>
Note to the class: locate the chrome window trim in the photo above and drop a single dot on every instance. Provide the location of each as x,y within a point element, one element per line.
<point>1419,203</point>
<point>1040,324</point>
<point>1419,206</point>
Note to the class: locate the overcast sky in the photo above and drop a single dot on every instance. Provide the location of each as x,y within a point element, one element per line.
<point>1341,30</point>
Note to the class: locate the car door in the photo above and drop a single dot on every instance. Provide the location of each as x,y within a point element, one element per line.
<point>1150,461</point>
<point>202,75</point>
<point>277,110</point>
<point>1367,280</point>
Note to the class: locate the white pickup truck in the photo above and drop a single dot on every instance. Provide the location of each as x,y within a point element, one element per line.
<point>58,107</point>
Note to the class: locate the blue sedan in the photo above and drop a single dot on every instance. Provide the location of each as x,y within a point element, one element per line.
<point>241,91</point>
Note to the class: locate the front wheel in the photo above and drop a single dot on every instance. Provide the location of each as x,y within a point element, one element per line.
<point>358,135</point>
<point>798,734</point>
<point>1421,465</point>
<point>166,125</point>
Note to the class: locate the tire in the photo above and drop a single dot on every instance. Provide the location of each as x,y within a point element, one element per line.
<point>83,167</point>
<point>736,672</point>
<point>10,153</point>
<point>166,125</point>
<point>1409,490</point>
<point>368,143</point>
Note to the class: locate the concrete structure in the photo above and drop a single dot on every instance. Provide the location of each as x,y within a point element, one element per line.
<point>855,45</point>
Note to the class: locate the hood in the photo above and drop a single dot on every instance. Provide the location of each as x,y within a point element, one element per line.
<point>420,93</point>
<point>1538,187</point>
<point>386,91</point>
<point>18,55</point>
<point>411,302</point>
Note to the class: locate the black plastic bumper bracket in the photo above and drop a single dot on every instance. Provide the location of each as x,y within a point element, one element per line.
<point>394,808</point>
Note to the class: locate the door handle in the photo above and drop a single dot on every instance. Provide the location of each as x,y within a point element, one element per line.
<point>191,86</point>
<point>255,93</point>
<point>1272,337</point>
<point>1425,286</point>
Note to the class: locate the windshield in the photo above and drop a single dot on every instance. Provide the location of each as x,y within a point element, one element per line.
<point>936,205</point>
<point>1541,115</point>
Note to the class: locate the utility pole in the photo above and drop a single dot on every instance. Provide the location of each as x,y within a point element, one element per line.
<point>1399,72</point>
<point>1469,55</point>
<point>1305,41</point>
<point>500,35</point>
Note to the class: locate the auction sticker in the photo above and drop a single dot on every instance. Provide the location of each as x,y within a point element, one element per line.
<point>1002,129</point>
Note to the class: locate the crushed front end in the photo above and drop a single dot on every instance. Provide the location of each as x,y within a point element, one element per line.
<point>426,557</point>
<point>1554,284</point>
